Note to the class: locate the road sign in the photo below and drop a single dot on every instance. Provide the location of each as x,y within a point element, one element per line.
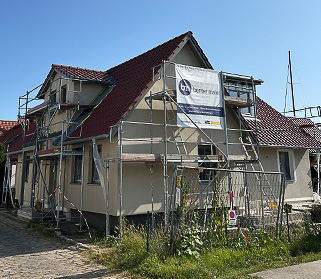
<point>232,217</point>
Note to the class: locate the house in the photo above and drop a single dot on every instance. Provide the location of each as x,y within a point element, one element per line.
<point>6,125</point>
<point>309,127</point>
<point>120,142</point>
<point>284,146</point>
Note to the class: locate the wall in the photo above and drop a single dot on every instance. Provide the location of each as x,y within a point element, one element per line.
<point>297,188</point>
<point>137,179</point>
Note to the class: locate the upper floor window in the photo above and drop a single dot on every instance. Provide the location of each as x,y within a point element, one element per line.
<point>52,96</point>
<point>63,97</point>
<point>242,90</point>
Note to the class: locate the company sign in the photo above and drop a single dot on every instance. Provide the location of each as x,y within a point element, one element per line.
<point>199,95</point>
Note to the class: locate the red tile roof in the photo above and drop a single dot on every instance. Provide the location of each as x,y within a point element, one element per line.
<point>132,79</point>
<point>275,129</point>
<point>308,126</point>
<point>76,73</point>
<point>14,137</point>
<point>83,74</point>
<point>7,124</point>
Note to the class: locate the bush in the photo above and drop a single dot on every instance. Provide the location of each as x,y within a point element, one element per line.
<point>316,213</point>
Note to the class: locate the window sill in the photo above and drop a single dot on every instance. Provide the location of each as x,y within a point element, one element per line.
<point>75,183</point>
<point>93,183</point>
<point>290,181</point>
<point>204,181</point>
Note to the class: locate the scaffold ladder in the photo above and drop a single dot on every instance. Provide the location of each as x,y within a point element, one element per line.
<point>266,187</point>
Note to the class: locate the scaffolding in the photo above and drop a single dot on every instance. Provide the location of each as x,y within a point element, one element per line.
<point>312,113</point>
<point>239,95</point>
<point>166,146</point>
<point>46,142</point>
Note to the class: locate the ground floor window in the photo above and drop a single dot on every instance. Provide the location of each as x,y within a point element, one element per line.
<point>78,166</point>
<point>94,172</point>
<point>206,175</point>
<point>286,164</point>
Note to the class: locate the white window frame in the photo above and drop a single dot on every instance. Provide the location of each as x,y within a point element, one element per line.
<point>291,163</point>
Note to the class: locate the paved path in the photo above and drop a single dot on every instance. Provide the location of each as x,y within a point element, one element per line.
<point>23,255</point>
<point>310,270</point>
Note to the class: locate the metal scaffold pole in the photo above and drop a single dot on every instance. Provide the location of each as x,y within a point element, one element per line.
<point>120,137</point>
<point>165,148</point>
<point>60,174</point>
<point>82,187</point>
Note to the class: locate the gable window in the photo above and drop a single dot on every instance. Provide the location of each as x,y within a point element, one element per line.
<point>94,172</point>
<point>63,97</point>
<point>203,151</point>
<point>286,164</point>
<point>78,166</point>
<point>53,99</point>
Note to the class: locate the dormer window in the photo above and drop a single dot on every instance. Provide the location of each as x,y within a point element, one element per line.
<point>53,98</point>
<point>63,93</point>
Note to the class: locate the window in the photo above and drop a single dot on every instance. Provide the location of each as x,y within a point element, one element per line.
<point>63,97</point>
<point>78,166</point>
<point>242,90</point>
<point>286,164</point>
<point>94,172</point>
<point>52,95</point>
<point>27,169</point>
<point>203,151</point>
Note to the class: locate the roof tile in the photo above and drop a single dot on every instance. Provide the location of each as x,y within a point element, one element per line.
<point>132,79</point>
<point>275,129</point>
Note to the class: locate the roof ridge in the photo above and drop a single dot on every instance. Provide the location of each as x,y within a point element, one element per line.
<point>77,68</point>
<point>188,33</point>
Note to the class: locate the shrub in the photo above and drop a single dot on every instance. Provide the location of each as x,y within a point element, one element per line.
<point>316,213</point>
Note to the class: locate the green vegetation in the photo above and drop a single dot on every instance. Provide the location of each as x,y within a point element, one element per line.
<point>194,254</point>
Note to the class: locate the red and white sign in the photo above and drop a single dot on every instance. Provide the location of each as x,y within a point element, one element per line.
<point>232,217</point>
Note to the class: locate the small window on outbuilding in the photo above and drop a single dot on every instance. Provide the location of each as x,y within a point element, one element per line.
<point>286,164</point>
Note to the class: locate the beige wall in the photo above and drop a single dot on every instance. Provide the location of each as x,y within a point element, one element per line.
<point>298,187</point>
<point>137,179</point>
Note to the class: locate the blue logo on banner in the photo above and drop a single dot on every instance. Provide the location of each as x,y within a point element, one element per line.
<point>185,87</point>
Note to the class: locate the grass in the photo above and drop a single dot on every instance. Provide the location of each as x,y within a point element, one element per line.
<point>236,260</point>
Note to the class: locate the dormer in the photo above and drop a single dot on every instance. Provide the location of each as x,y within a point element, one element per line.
<point>66,85</point>
<point>64,88</point>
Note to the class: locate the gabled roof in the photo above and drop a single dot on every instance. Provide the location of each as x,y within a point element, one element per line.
<point>308,126</point>
<point>132,79</point>
<point>275,129</point>
<point>76,73</point>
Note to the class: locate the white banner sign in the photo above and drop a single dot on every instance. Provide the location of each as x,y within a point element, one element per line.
<point>199,94</point>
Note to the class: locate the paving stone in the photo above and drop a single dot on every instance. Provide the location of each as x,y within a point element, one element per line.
<point>23,255</point>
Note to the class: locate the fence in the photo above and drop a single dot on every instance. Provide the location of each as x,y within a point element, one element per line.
<point>255,198</point>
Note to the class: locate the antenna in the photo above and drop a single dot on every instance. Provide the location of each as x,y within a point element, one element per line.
<point>291,83</point>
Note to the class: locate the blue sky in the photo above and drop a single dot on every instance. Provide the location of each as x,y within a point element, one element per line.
<point>247,37</point>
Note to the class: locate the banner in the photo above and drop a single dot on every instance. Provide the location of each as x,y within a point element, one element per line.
<point>199,94</point>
